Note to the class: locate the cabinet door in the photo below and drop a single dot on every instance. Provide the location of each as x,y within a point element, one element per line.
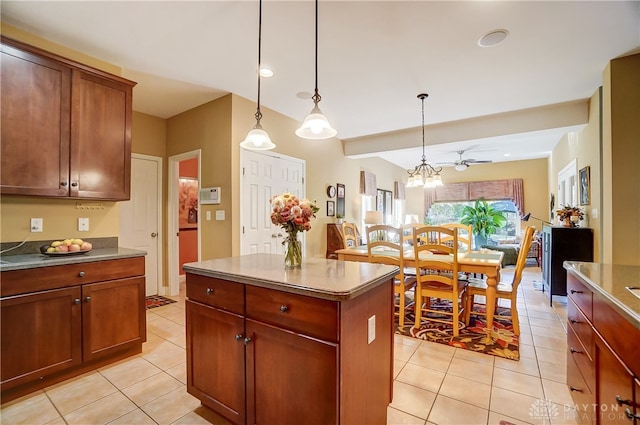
<point>216,359</point>
<point>41,334</point>
<point>100,137</point>
<point>303,369</point>
<point>614,387</point>
<point>35,124</point>
<point>113,317</point>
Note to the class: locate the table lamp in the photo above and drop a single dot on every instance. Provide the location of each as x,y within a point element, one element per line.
<point>372,218</point>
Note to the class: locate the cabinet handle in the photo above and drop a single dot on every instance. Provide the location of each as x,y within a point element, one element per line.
<point>63,184</point>
<point>622,401</point>
<point>284,309</point>
<point>573,321</point>
<point>630,415</point>
<point>247,340</point>
<point>238,337</point>
<point>76,301</point>
<point>573,291</point>
<point>209,291</point>
<point>573,350</point>
<point>575,389</point>
<point>81,274</point>
<point>87,299</point>
<point>74,184</point>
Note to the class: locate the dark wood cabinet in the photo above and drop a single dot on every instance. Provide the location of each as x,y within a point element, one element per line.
<point>561,244</point>
<point>615,387</point>
<point>66,127</point>
<point>61,321</point>
<point>287,358</point>
<point>335,241</point>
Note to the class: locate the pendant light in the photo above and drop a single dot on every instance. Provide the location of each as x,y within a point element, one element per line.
<point>316,125</point>
<point>257,139</point>
<point>424,174</point>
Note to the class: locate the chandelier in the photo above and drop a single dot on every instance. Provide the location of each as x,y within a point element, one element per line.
<point>424,174</point>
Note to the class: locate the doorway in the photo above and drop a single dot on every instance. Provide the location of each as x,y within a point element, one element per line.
<point>141,215</point>
<point>183,215</point>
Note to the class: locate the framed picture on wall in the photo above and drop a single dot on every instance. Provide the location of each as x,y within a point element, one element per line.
<point>340,196</point>
<point>585,185</point>
<point>331,208</point>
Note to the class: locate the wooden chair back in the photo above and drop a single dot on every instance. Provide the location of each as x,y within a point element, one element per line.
<point>432,255</point>
<point>350,235</point>
<point>384,245</point>
<point>465,234</point>
<point>525,244</point>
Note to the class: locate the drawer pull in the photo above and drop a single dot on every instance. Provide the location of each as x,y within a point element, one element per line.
<point>238,337</point>
<point>573,291</point>
<point>63,184</point>
<point>87,299</point>
<point>247,340</point>
<point>630,415</point>
<point>573,321</point>
<point>81,274</point>
<point>573,350</point>
<point>74,184</point>
<point>209,291</point>
<point>76,301</point>
<point>622,401</point>
<point>578,390</point>
<point>284,309</point>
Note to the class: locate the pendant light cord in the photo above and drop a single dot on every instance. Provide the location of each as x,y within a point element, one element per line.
<point>316,97</point>
<point>258,113</point>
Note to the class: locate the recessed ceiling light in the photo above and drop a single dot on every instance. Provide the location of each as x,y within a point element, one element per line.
<point>265,72</point>
<point>492,38</point>
<point>507,154</point>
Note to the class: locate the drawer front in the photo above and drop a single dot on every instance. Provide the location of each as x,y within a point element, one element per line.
<point>582,328</point>
<point>581,358</point>
<point>583,398</point>
<point>44,278</point>
<point>581,295</point>
<point>218,293</point>
<point>298,313</point>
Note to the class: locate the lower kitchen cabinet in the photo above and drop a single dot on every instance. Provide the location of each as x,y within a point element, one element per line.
<point>68,327</point>
<point>614,388</point>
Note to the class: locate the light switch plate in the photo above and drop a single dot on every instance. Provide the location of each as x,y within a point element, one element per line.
<point>208,215</point>
<point>83,224</point>
<point>220,215</point>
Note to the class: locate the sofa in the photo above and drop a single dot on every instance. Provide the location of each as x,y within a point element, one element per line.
<point>511,249</point>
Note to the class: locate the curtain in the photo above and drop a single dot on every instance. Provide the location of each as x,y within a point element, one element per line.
<point>368,185</point>
<point>512,189</point>
<point>398,191</point>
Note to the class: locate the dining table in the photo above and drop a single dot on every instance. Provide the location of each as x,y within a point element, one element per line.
<point>485,261</point>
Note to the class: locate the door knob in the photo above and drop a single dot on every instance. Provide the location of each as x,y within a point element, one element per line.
<point>154,234</point>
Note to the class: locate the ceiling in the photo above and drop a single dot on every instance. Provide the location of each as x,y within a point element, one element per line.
<point>374,57</point>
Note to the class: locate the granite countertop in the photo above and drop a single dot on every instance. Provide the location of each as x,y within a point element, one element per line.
<point>611,281</point>
<point>319,278</point>
<point>31,261</point>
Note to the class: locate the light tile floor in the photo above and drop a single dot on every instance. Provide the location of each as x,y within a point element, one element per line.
<point>434,383</point>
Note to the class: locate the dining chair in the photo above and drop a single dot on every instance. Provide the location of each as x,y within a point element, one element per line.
<point>437,275</point>
<point>385,246</point>
<point>465,234</point>
<point>505,290</point>
<point>350,235</point>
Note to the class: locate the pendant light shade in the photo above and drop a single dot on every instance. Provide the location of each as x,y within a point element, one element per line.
<point>316,125</point>
<point>257,138</point>
<point>424,174</point>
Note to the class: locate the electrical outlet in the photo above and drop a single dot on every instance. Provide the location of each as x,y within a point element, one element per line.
<point>83,224</point>
<point>371,328</point>
<point>36,225</point>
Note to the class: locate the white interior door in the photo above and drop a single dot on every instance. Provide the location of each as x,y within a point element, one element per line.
<point>265,175</point>
<point>567,187</point>
<point>141,215</point>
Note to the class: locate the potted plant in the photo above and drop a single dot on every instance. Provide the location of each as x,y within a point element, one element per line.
<point>484,220</point>
<point>339,218</point>
<point>569,215</point>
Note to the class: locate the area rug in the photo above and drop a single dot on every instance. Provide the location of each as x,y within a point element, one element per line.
<point>153,301</point>
<point>505,342</point>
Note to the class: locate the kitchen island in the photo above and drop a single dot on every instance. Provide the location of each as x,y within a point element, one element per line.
<point>603,334</point>
<point>271,345</point>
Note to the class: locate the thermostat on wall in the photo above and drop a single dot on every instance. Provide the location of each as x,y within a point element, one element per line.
<point>210,195</point>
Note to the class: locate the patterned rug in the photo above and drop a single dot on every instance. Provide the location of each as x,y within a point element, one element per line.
<point>470,337</point>
<point>153,301</point>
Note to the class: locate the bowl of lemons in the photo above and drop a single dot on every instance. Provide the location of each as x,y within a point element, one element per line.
<point>66,247</point>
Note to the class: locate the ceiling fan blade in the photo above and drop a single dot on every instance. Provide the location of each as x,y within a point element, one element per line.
<point>479,161</point>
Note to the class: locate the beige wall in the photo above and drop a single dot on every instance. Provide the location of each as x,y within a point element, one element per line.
<point>533,173</point>
<point>621,152</point>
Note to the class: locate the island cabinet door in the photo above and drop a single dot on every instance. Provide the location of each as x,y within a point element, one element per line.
<point>292,379</point>
<point>41,335</point>
<point>216,359</point>
<point>614,388</point>
<point>113,317</point>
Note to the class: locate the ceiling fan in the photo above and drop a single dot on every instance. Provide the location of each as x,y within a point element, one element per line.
<point>463,164</point>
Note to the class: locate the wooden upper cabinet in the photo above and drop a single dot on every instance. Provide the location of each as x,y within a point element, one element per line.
<point>66,127</point>
<point>35,95</point>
